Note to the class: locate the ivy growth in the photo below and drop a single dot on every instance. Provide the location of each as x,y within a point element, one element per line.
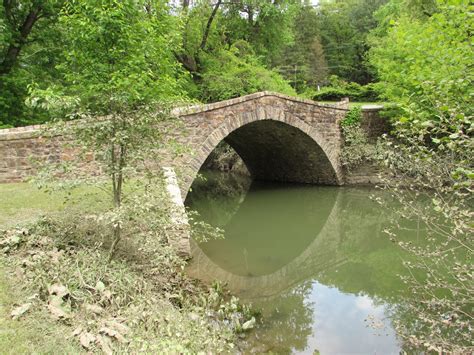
<point>357,149</point>
<point>353,117</point>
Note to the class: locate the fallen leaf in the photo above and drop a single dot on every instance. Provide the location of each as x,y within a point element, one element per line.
<point>55,255</point>
<point>77,331</point>
<point>11,240</point>
<point>86,339</point>
<point>108,331</point>
<point>105,344</point>
<point>27,263</point>
<point>249,324</point>
<point>57,308</point>
<point>14,240</point>
<point>113,334</point>
<point>19,311</point>
<point>106,295</point>
<point>119,327</point>
<point>99,286</point>
<point>93,308</point>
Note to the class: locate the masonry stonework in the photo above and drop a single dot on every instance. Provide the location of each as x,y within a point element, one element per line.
<point>280,138</point>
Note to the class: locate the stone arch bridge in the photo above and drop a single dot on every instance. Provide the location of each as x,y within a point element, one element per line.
<point>280,138</point>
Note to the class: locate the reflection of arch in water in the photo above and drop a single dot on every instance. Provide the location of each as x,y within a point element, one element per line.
<point>274,224</point>
<point>319,255</point>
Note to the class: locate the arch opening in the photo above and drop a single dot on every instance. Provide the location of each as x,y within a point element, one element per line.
<point>279,152</point>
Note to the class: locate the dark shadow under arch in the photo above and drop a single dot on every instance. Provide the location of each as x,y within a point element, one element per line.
<point>276,151</point>
<point>282,148</point>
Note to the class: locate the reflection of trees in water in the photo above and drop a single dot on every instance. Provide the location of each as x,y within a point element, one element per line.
<point>371,262</point>
<point>287,323</point>
<point>350,252</point>
<point>229,187</point>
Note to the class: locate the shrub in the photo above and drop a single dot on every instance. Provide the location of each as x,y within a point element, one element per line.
<point>140,302</point>
<point>357,148</point>
<point>353,117</point>
<point>426,67</point>
<point>339,89</point>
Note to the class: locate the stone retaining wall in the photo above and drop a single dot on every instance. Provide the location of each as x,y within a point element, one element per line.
<point>374,126</point>
<point>372,123</point>
<point>21,147</point>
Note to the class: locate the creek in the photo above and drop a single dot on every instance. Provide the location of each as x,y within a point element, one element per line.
<point>313,259</point>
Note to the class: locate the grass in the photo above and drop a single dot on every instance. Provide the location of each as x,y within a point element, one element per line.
<point>24,202</point>
<point>143,289</point>
<point>38,334</point>
<point>362,103</point>
<point>355,103</point>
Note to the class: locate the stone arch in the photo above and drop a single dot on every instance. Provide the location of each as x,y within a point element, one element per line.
<point>326,147</point>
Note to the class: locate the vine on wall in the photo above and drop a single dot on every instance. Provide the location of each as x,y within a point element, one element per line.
<point>357,149</point>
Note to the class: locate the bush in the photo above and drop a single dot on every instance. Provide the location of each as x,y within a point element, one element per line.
<point>339,89</point>
<point>353,117</point>
<point>426,67</point>
<point>357,149</point>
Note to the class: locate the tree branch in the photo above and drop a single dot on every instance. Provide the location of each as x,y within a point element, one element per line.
<point>185,5</point>
<point>8,9</point>
<point>208,25</point>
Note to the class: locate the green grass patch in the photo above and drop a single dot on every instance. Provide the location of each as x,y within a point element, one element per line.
<point>37,333</point>
<point>357,104</point>
<point>24,202</point>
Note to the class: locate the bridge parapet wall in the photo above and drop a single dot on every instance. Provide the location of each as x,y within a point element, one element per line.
<point>22,148</point>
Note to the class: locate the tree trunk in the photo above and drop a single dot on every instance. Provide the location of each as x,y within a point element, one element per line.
<point>113,247</point>
<point>118,164</point>
<point>16,45</point>
<point>250,15</point>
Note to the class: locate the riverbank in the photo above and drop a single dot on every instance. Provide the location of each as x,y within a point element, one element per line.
<point>59,293</point>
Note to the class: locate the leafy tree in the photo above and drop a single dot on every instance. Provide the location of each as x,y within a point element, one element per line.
<point>303,62</point>
<point>318,65</point>
<point>266,25</point>
<point>212,33</point>
<point>19,18</point>
<point>419,53</point>
<point>393,9</point>
<point>118,70</point>
<point>236,72</point>
<point>344,28</point>
<point>426,67</point>
<point>303,43</point>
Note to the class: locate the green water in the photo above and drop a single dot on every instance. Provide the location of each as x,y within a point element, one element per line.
<point>313,259</point>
